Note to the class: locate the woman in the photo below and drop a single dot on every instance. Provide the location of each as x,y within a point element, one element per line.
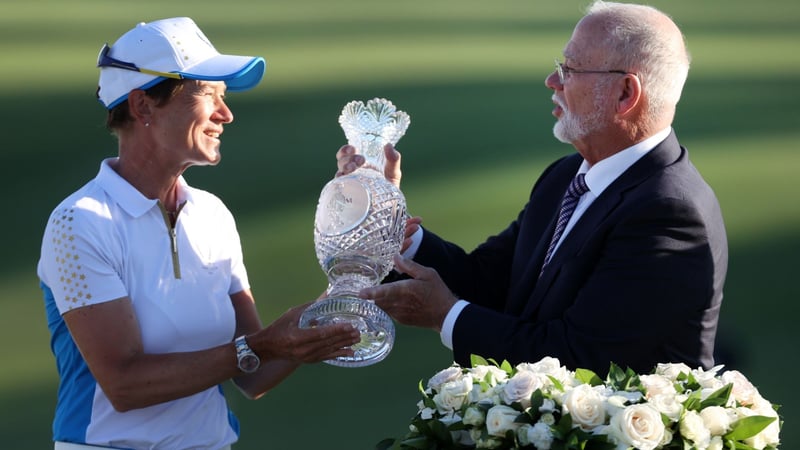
<point>147,296</point>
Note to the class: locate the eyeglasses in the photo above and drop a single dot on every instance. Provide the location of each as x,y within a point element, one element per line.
<point>563,70</point>
<point>103,60</point>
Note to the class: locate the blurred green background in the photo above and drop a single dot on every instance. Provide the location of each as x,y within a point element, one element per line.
<point>470,73</point>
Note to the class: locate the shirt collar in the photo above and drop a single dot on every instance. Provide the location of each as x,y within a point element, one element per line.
<point>127,196</point>
<point>603,173</point>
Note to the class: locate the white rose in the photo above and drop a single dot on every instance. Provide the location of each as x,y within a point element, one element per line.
<point>500,419</point>
<point>669,405</point>
<point>462,437</point>
<point>716,443</point>
<point>522,434</point>
<point>452,373</point>
<point>480,373</point>
<point>626,396</point>
<point>548,406</point>
<point>426,413</point>
<point>743,391</point>
<point>549,366</point>
<point>474,416</point>
<point>483,394</point>
<point>693,428</point>
<point>638,426</point>
<point>586,406</point>
<point>541,436</point>
<point>667,437</point>
<point>488,442</point>
<point>708,378</point>
<point>672,371</point>
<point>520,387</point>
<point>452,394</point>
<point>615,403</point>
<point>450,419</point>
<point>657,385</point>
<point>717,419</point>
<point>546,365</point>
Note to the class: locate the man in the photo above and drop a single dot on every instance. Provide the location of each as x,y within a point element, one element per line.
<point>636,275</point>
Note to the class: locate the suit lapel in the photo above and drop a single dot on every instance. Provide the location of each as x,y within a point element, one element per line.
<point>610,199</point>
<point>532,246</point>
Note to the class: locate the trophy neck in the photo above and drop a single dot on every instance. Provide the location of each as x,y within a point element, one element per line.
<point>374,156</point>
<point>348,274</point>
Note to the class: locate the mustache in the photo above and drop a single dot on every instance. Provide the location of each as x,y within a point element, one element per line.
<point>559,102</point>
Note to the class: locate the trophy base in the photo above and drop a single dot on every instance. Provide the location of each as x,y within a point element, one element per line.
<point>376,327</point>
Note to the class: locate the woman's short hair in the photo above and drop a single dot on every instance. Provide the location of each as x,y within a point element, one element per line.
<point>119,116</point>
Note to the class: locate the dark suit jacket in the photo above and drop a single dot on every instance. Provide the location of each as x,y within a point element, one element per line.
<point>638,280</point>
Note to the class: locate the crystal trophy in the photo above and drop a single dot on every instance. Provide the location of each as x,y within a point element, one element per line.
<point>358,228</point>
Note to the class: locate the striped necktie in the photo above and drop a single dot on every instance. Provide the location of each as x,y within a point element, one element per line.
<point>574,192</point>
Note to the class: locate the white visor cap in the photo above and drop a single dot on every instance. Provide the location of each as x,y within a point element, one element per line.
<point>171,46</point>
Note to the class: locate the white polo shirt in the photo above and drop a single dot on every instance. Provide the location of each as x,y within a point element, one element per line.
<point>107,241</point>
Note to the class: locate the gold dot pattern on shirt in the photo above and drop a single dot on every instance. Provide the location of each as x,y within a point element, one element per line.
<point>72,278</point>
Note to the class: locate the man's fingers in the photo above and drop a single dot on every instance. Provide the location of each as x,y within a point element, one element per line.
<point>347,160</point>
<point>409,267</point>
<point>392,170</point>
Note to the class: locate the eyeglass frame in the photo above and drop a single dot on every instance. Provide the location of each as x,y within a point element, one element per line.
<point>562,70</point>
<point>104,60</point>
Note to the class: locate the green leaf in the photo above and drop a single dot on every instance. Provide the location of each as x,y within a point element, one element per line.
<point>622,380</point>
<point>556,383</point>
<point>690,381</point>
<point>476,361</point>
<point>588,377</point>
<point>563,426</point>
<point>748,427</point>
<point>419,442</point>
<point>733,445</point>
<point>426,400</point>
<point>537,400</point>
<point>385,444</point>
<point>718,397</point>
<point>440,432</point>
<point>507,367</point>
<point>693,402</point>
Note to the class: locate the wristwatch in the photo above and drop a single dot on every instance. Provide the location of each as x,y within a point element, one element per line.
<point>247,359</point>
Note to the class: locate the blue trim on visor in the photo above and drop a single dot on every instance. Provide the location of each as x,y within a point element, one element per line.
<point>246,78</point>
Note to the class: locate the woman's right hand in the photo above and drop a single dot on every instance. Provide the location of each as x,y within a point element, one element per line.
<point>283,339</point>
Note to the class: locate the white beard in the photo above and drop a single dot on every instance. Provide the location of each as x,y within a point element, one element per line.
<point>570,128</point>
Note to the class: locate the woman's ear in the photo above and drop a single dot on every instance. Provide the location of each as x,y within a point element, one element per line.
<point>139,105</point>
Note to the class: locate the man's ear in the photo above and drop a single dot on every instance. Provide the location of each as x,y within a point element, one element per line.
<point>630,96</point>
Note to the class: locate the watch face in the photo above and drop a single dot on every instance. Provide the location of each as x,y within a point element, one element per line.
<point>249,363</point>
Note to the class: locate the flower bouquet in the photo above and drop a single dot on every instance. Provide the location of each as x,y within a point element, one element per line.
<point>545,406</point>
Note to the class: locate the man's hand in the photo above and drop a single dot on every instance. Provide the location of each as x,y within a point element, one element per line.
<point>422,301</point>
<point>347,161</point>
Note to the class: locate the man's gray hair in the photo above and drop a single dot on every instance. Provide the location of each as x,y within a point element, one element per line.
<point>661,63</point>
